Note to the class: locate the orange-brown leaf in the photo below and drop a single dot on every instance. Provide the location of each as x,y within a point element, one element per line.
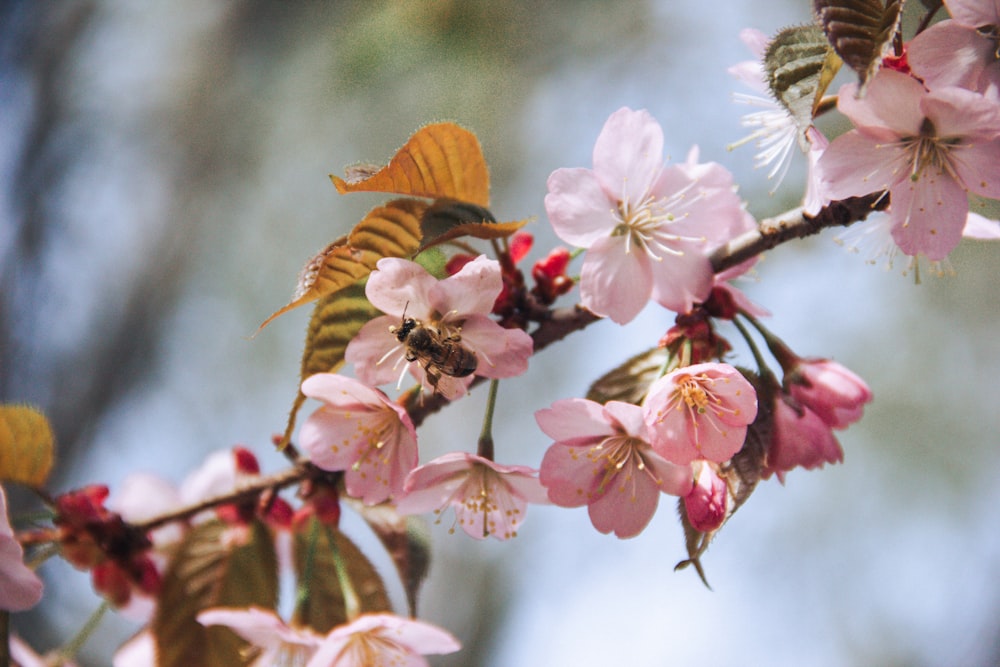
<point>439,160</point>
<point>391,230</point>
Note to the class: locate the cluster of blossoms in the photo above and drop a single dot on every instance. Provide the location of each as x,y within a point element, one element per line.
<point>926,135</point>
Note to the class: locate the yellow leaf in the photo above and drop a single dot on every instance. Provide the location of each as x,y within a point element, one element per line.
<point>26,445</point>
<point>392,230</point>
<point>441,160</point>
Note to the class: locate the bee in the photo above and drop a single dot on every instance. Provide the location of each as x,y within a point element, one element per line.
<point>437,353</point>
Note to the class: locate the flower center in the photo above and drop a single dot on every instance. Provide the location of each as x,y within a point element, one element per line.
<point>613,455</point>
<point>646,221</point>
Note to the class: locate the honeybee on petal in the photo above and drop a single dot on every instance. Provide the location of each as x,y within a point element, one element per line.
<point>437,353</point>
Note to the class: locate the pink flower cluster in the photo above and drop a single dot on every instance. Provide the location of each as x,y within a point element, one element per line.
<point>617,458</point>
<point>822,395</point>
<point>367,641</point>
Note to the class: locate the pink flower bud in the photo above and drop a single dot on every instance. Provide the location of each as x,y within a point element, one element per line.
<point>706,504</point>
<point>800,439</point>
<point>832,391</point>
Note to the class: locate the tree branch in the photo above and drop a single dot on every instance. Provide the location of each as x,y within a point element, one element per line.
<point>795,224</point>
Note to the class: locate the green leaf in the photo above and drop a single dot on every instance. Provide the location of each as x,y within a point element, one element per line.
<point>630,381</point>
<point>27,445</point>
<point>209,570</point>
<point>320,603</point>
<point>408,542</point>
<point>860,31</point>
<point>800,64</point>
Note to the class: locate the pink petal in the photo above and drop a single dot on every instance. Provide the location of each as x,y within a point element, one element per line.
<point>628,416</point>
<point>571,477</point>
<point>889,109</point>
<point>260,627</point>
<point>441,469</point>
<point>340,390</point>
<point>975,12</point>
<point>20,587</point>
<point>472,290</point>
<point>957,112</point>
<point>368,352</point>
<point>574,418</point>
<point>976,166</point>
<point>616,280</point>
<point>949,54</point>
<point>578,209</point>
<point>501,353</point>
<point>854,165</point>
<point>679,282</point>
<point>929,214</point>
<point>627,505</point>
<point>628,154</point>
<point>399,285</point>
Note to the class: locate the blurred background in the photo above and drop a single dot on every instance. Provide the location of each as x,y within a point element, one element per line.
<point>164,176</point>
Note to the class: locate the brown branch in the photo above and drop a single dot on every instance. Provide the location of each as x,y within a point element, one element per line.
<point>245,492</point>
<point>795,224</point>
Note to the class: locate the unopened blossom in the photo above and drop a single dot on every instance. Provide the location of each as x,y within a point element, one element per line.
<point>775,132</point>
<point>20,587</point>
<point>706,505</point>
<point>602,458</point>
<point>457,308</point>
<point>383,640</point>
<point>360,431</point>
<point>647,227</point>
<point>279,643</point>
<point>929,149</point>
<point>961,51</point>
<point>835,393</point>
<point>799,439</point>
<point>700,412</point>
<point>489,499</point>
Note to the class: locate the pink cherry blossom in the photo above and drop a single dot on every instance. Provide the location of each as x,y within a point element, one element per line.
<point>648,228</point>
<point>20,587</point>
<point>382,640</point>
<point>280,644</point>
<point>929,149</point>
<point>773,129</point>
<point>706,505</point>
<point>360,431</point>
<point>490,500</point>
<point>700,412</point>
<point>457,307</point>
<point>835,393</point>
<point>602,458</point>
<point>801,439</point>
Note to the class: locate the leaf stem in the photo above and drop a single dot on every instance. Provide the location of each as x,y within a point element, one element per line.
<point>69,651</point>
